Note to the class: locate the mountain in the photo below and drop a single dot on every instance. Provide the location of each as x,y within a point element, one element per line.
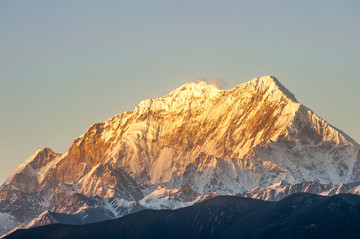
<point>97,210</point>
<point>297,216</point>
<point>170,152</point>
<point>282,189</point>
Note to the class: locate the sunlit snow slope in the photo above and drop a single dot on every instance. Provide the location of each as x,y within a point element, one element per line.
<point>211,140</point>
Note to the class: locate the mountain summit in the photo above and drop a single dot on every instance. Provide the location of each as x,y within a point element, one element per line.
<point>211,140</point>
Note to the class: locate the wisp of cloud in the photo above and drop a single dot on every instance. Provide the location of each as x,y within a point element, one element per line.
<point>217,82</point>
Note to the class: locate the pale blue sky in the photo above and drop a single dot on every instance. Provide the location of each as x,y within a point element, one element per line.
<point>67,64</point>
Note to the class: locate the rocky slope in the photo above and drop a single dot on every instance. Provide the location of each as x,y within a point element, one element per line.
<point>86,210</point>
<point>195,141</point>
<point>297,216</point>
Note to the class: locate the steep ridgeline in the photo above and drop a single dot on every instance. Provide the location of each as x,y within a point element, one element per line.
<point>194,141</point>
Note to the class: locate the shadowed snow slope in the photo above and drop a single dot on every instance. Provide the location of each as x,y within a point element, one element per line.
<point>297,216</point>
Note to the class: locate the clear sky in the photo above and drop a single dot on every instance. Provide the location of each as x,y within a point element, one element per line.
<point>67,64</point>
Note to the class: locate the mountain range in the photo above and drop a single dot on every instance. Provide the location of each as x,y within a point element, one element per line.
<point>297,216</point>
<point>197,142</point>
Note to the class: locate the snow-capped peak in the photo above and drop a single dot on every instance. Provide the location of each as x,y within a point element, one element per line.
<point>180,97</point>
<point>273,82</point>
<point>214,141</point>
<point>266,84</point>
<point>30,174</point>
<point>197,89</point>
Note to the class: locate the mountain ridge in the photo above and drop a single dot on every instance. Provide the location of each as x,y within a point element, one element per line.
<point>214,141</point>
<point>297,216</point>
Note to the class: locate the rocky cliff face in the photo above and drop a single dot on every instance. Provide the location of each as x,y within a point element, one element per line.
<point>211,140</point>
